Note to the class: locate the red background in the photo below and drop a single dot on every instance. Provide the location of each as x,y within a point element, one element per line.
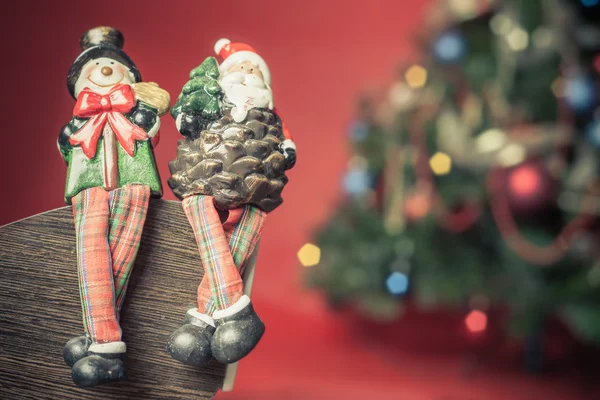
<point>321,54</point>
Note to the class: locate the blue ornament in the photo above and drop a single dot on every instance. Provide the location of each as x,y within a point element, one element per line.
<point>358,131</point>
<point>397,283</point>
<point>592,132</point>
<point>580,93</point>
<point>450,47</point>
<point>356,181</point>
<point>590,3</point>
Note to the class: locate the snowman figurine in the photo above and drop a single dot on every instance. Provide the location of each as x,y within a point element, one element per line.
<point>108,148</point>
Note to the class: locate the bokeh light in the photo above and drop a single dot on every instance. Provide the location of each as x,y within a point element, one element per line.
<point>524,181</point>
<point>464,8</point>
<point>417,206</point>
<point>416,76</point>
<point>476,321</point>
<point>309,255</point>
<point>358,162</point>
<point>517,39</point>
<point>401,96</point>
<point>501,24</point>
<point>356,181</point>
<point>580,93</point>
<point>490,140</point>
<point>590,3</point>
<point>397,283</point>
<point>450,47</point>
<point>511,155</point>
<point>440,163</point>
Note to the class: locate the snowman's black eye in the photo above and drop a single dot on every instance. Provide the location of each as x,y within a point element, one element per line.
<point>97,63</point>
<point>112,62</point>
<point>242,67</point>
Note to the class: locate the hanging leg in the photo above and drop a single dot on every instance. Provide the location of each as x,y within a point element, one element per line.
<point>128,209</point>
<point>246,235</point>
<point>242,229</point>
<point>127,212</point>
<point>90,210</point>
<point>190,344</point>
<point>205,301</point>
<point>225,281</point>
<point>239,329</point>
<point>221,288</point>
<point>103,362</point>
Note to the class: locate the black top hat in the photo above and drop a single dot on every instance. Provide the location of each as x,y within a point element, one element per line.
<point>99,42</point>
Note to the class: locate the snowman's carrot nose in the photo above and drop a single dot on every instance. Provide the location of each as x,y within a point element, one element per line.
<point>106,71</point>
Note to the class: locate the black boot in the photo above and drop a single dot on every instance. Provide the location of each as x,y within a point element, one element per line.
<point>190,344</point>
<point>236,334</point>
<point>98,369</point>
<point>76,349</point>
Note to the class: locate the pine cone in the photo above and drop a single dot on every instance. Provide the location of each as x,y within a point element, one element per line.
<point>236,163</point>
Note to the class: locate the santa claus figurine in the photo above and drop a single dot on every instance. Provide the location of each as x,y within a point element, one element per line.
<point>229,172</point>
<point>108,147</point>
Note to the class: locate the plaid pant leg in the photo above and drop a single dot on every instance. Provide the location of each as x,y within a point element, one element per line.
<point>246,235</point>
<point>128,208</point>
<point>223,277</point>
<point>91,215</point>
<point>243,232</point>
<point>206,304</point>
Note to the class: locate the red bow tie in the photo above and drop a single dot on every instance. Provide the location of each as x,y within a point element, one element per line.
<point>101,109</point>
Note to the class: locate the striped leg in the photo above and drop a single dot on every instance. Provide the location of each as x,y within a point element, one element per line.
<point>128,208</point>
<point>242,229</point>
<point>91,215</point>
<point>223,277</point>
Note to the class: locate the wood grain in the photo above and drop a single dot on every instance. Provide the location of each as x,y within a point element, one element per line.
<point>41,311</point>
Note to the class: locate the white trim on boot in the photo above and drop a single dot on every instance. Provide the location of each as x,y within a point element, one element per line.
<point>202,317</point>
<point>232,309</point>
<point>111,347</point>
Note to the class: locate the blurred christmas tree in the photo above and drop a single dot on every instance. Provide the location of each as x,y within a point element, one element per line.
<point>474,183</point>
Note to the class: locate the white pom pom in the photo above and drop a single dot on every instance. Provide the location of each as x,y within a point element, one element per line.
<point>288,144</point>
<point>220,44</point>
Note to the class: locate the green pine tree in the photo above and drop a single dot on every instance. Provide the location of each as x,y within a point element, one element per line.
<point>202,93</point>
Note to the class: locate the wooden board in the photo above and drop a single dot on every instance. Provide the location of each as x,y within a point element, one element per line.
<point>41,311</point>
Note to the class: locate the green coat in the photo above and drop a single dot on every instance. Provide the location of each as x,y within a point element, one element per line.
<point>84,173</point>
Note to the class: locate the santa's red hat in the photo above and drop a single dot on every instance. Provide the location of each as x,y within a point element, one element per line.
<point>235,53</point>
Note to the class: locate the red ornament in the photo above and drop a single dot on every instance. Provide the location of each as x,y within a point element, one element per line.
<point>530,187</point>
<point>525,181</point>
<point>476,321</point>
<point>417,206</point>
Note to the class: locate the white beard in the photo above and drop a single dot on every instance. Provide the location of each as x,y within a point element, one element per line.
<point>246,91</point>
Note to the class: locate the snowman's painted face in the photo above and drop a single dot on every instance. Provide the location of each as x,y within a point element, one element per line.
<point>102,74</point>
